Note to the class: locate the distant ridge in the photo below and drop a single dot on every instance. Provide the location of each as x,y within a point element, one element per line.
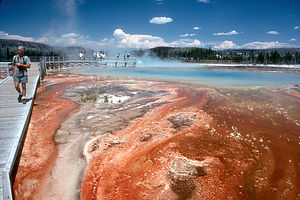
<point>8,48</point>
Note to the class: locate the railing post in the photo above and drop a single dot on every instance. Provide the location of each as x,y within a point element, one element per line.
<point>8,74</point>
<point>41,69</point>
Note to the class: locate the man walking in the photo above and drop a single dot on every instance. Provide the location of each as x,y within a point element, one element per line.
<point>20,65</point>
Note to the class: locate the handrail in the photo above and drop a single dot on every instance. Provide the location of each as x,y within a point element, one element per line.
<point>5,70</point>
<point>77,58</point>
<point>57,63</point>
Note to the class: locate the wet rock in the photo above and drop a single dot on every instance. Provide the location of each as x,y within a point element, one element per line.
<point>105,143</point>
<point>182,169</point>
<point>181,172</point>
<point>179,121</point>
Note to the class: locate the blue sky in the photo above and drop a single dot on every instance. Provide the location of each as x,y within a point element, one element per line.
<point>104,24</point>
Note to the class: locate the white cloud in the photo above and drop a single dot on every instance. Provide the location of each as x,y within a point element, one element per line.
<point>4,35</point>
<point>70,35</point>
<point>188,35</point>
<point>292,39</point>
<point>296,27</point>
<point>203,1</point>
<point>121,39</point>
<point>264,45</point>
<point>196,28</point>
<point>160,20</point>
<point>273,32</point>
<point>227,44</point>
<point>74,39</point>
<point>125,40</point>
<point>252,45</point>
<point>186,43</point>
<point>233,32</point>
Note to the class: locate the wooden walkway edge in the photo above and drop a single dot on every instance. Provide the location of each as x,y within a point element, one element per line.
<point>14,119</point>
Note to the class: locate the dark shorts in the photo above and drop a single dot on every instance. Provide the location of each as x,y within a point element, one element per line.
<point>21,79</point>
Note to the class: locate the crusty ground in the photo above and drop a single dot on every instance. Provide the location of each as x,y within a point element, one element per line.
<point>249,137</point>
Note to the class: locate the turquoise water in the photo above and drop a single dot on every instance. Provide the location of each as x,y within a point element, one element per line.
<point>201,76</point>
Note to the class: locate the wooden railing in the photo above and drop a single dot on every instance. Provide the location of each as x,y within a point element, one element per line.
<point>57,63</point>
<point>5,70</point>
<point>50,64</point>
<point>83,59</point>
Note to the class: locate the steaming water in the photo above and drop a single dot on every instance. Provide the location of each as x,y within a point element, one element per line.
<point>199,75</point>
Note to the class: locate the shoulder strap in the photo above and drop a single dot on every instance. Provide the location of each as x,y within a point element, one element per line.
<point>16,59</point>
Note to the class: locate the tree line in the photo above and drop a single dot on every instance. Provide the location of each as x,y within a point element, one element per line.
<point>266,56</point>
<point>9,54</point>
<point>9,48</point>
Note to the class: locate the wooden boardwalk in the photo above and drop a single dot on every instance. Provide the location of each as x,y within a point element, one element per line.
<point>58,63</point>
<point>14,119</point>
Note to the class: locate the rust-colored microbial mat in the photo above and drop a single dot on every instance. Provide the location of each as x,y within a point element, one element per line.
<point>160,140</point>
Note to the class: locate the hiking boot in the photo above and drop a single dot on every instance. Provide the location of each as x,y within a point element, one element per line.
<point>24,100</point>
<point>20,98</point>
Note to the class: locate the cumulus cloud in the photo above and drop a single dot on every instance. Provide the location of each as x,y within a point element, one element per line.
<point>4,35</point>
<point>70,35</point>
<point>120,39</point>
<point>233,32</point>
<point>292,39</point>
<point>188,35</point>
<point>160,20</point>
<point>186,43</point>
<point>196,28</point>
<point>68,39</point>
<point>265,45</point>
<point>74,39</point>
<point>273,33</point>
<point>125,40</point>
<point>203,1</point>
<point>296,27</point>
<point>227,44</point>
<point>252,45</point>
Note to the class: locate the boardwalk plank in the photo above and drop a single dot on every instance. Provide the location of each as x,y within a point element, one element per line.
<point>14,117</point>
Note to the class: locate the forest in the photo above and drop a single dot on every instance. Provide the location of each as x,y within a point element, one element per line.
<point>290,56</point>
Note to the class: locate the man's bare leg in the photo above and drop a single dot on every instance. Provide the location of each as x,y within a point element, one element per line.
<point>24,89</point>
<point>17,86</point>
